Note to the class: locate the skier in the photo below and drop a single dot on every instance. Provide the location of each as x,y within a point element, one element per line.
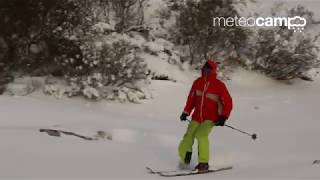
<point>212,104</point>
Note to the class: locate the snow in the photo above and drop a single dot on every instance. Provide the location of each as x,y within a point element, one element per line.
<point>153,47</point>
<point>91,92</point>
<point>161,67</point>
<point>102,27</point>
<point>285,117</point>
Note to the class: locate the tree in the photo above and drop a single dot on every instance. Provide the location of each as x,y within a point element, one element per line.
<point>196,30</point>
<point>128,13</point>
<point>30,27</point>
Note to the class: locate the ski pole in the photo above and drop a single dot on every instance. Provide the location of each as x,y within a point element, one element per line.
<point>253,136</point>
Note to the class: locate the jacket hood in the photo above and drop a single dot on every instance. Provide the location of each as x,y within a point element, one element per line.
<point>214,67</point>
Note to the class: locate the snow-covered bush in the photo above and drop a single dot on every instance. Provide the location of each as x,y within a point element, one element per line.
<point>282,54</point>
<point>111,65</point>
<point>19,89</point>
<point>54,90</point>
<point>90,92</point>
<point>24,86</point>
<point>67,39</point>
<point>124,94</point>
<point>121,65</point>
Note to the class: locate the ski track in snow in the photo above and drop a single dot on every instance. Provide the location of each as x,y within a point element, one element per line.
<point>285,117</point>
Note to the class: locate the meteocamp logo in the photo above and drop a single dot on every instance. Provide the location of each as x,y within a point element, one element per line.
<point>296,23</point>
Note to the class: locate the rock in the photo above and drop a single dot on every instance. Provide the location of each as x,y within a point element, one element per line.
<point>316,162</point>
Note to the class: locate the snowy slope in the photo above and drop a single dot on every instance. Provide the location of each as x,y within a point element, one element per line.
<point>285,117</point>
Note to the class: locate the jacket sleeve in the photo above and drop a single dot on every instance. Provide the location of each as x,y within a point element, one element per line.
<point>226,100</point>
<point>191,100</point>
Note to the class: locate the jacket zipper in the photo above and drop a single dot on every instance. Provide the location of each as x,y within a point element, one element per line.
<point>206,85</point>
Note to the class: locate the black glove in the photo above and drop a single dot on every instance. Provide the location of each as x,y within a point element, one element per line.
<point>184,116</point>
<point>221,120</point>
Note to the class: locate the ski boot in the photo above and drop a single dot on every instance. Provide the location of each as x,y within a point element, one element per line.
<point>202,167</point>
<point>185,165</point>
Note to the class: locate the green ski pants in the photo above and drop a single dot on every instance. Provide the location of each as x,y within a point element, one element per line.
<point>199,131</point>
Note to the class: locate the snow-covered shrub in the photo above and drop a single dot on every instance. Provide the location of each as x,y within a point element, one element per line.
<point>22,87</point>
<point>124,94</point>
<point>120,64</point>
<point>111,65</point>
<point>19,89</point>
<point>61,89</point>
<point>54,90</point>
<point>79,56</point>
<point>90,92</point>
<point>65,39</point>
<point>282,54</point>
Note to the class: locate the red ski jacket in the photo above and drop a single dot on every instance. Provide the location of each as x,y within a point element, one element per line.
<point>209,98</point>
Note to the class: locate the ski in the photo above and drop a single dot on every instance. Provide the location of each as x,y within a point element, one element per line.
<point>151,171</point>
<point>175,173</point>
